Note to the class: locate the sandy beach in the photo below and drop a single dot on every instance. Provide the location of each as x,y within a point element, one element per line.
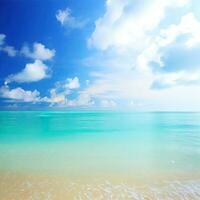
<point>19,186</point>
<point>102,159</point>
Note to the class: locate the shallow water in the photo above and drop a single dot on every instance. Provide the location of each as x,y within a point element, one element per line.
<point>140,150</point>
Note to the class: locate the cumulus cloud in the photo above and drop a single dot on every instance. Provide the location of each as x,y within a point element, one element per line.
<point>60,94</point>
<point>132,48</point>
<point>32,72</point>
<point>57,97</point>
<point>184,69</point>
<point>72,83</point>
<point>189,27</point>
<point>130,38</point>
<point>66,19</point>
<point>176,78</point>
<point>10,50</point>
<point>121,26</point>
<point>82,100</point>
<point>18,94</point>
<point>39,51</point>
<point>67,85</point>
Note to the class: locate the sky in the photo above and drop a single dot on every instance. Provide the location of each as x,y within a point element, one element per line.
<point>138,55</point>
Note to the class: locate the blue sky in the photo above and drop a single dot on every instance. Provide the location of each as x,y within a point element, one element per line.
<point>114,54</point>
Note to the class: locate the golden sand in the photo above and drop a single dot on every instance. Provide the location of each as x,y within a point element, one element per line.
<point>17,186</point>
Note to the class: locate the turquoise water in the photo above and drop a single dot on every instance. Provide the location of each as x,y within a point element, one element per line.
<point>101,143</point>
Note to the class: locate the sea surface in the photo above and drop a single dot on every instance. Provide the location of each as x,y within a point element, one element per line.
<point>99,155</point>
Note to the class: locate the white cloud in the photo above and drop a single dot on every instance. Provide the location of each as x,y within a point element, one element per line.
<point>57,97</point>
<point>114,86</point>
<point>20,95</point>
<point>9,50</point>
<point>132,39</point>
<point>72,83</point>
<point>67,20</point>
<point>188,25</point>
<point>63,16</point>
<point>176,78</point>
<point>83,100</point>
<point>129,37</point>
<point>39,52</point>
<point>32,72</point>
<point>121,26</point>
<point>60,94</point>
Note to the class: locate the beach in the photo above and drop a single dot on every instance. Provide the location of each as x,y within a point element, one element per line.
<point>25,187</point>
<point>99,155</point>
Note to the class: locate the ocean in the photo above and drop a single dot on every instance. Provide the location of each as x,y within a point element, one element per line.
<point>50,155</point>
